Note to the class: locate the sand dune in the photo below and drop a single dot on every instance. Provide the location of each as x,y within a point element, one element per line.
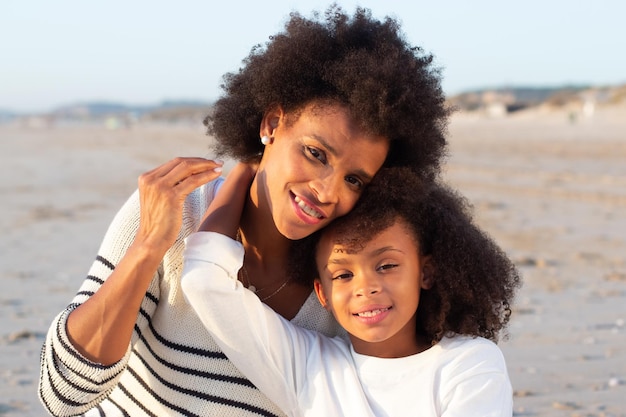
<point>552,192</point>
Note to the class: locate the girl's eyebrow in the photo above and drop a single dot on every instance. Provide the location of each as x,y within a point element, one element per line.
<point>384,249</point>
<point>341,260</point>
<point>336,261</point>
<point>366,177</point>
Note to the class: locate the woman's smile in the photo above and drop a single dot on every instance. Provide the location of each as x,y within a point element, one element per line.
<point>307,212</point>
<point>310,173</point>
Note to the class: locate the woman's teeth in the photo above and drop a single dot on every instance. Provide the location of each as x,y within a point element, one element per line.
<point>307,209</point>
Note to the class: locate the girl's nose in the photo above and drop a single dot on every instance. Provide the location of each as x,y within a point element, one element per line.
<point>366,285</point>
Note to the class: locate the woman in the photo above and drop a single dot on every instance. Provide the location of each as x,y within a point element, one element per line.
<point>334,99</point>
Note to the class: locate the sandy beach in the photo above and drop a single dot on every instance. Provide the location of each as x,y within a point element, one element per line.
<point>550,190</point>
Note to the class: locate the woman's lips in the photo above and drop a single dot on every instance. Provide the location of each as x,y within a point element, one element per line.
<point>306,211</point>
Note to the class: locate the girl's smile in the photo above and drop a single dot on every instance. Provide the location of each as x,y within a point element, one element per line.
<point>373,291</point>
<point>373,314</point>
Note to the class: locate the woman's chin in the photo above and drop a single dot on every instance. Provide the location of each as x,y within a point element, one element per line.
<point>299,232</point>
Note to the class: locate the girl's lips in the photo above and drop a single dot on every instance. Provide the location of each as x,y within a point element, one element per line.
<point>372,315</point>
<point>307,211</point>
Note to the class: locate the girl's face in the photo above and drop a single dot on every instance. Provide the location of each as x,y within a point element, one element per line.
<point>315,168</point>
<point>374,293</point>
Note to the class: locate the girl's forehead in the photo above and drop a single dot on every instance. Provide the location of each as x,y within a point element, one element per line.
<point>334,242</point>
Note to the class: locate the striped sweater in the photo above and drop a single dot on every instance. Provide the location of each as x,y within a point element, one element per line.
<point>172,365</point>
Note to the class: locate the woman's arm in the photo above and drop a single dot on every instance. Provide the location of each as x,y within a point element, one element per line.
<point>70,382</point>
<point>101,328</point>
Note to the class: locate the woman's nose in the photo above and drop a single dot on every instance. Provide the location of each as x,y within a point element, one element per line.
<point>326,188</point>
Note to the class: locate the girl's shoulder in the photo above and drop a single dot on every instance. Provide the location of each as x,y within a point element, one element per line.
<point>468,352</point>
<point>464,342</point>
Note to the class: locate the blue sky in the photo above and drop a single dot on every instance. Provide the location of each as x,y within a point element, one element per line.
<point>142,52</point>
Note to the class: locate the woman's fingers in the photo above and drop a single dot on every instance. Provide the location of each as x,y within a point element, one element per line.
<point>179,169</point>
<point>192,174</point>
<point>162,192</point>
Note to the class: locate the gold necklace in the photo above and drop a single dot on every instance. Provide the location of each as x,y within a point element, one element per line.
<point>246,282</point>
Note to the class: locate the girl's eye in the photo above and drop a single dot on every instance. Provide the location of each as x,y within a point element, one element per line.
<point>386,267</point>
<point>345,275</point>
<point>317,154</point>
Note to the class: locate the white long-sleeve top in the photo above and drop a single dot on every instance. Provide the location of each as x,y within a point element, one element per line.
<point>308,374</point>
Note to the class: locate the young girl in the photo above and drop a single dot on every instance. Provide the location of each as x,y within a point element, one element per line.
<point>418,287</point>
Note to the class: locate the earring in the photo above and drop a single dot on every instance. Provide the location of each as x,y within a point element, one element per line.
<point>266,140</point>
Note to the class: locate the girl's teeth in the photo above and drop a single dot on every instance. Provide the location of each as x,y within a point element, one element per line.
<point>308,210</point>
<point>371,313</point>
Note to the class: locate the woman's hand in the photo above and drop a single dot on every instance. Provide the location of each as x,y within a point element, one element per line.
<point>162,192</point>
<point>224,213</point>
<point>101,327</point>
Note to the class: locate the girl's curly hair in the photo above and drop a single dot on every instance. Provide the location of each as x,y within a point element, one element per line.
<point>474,280</point>
<point>390,87</point>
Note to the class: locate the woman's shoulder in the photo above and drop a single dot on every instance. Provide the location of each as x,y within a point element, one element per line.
<point>200,198</point>
<point>313,316</point>
<point>196,205</point>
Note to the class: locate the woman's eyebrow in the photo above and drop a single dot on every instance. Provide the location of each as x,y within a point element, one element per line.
<point>365,176</point>
<point>325,144</point>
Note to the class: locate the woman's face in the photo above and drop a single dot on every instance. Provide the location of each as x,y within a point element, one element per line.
<point>315,168</point>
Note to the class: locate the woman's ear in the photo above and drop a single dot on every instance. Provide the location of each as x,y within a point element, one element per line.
<point>271,119</point>
<point>319,291</point>
<point>428,273</point>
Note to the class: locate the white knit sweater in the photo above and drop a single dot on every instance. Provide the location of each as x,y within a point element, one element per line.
<point>172,366</point>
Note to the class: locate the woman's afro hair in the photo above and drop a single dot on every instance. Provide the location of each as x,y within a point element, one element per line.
<point>474,280</point>
<point>390,87</point>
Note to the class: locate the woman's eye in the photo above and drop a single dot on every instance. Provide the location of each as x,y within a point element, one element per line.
<point>354,181</point>
<point>317,154</point>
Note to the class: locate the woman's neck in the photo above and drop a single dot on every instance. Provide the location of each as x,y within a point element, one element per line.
<point>266,248</point>
<point>266,262</point>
